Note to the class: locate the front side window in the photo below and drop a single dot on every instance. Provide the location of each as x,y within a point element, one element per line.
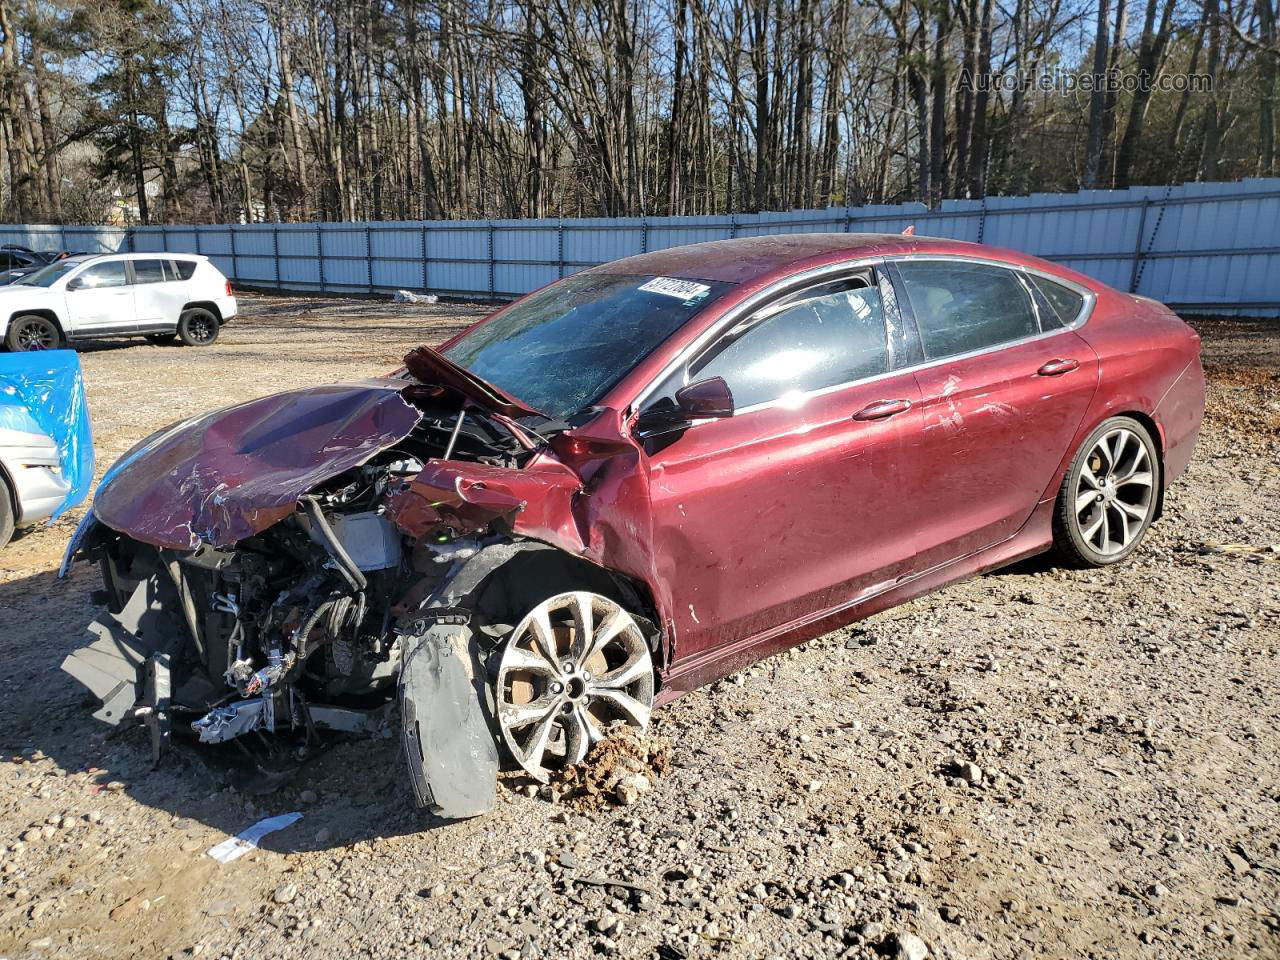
<point>818,338</point>
<point>101,275</point>
<point>561,349</point>
<point>148,271</point>
<point>962,307</point>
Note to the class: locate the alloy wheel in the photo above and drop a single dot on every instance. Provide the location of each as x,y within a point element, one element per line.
<point>575,665</point>
<point>33,335</point>
<point>200,328</point>
<point>1115,492</point>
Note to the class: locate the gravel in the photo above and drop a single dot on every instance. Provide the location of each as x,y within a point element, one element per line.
<point>1121,726</point>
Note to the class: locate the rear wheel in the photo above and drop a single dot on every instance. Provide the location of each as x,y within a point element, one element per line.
<point>198,327</point>
<point>576,664</point>
<point>6,513</point>
<point>33,332</point>
<point>1109,496</point>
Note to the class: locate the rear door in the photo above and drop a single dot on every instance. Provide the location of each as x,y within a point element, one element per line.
<point>1004,386</point>
<point>159,293</point>
<point>99,299</point>
<point>796,503</point>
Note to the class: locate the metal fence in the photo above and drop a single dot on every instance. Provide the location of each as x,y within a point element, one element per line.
<point>1213,247</point>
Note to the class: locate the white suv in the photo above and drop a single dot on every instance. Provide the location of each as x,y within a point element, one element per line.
<point>157,295</point>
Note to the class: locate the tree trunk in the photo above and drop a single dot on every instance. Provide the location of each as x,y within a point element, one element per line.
<point>1097,99</point>
<point>1212,145</point>
<point>1267,63</point>
<point>1150,53</point>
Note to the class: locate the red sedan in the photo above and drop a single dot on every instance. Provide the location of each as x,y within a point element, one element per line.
<point>630,483</point>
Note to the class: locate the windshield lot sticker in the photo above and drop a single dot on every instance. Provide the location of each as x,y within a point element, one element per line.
<point>680,289</point>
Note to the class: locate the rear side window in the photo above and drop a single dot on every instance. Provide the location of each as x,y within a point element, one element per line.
<point>101,275</point>
<point>185,269</point>
<point>148,271</point>
<point>962,307</point>
<point>1066,304</point>
<point>815,339</point>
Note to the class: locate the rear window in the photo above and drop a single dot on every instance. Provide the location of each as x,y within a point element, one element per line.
<point>962,307</point>
<point>185,269</point>
<point>148,271</point>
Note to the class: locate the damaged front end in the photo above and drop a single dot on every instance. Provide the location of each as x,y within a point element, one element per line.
<point>298,563</point>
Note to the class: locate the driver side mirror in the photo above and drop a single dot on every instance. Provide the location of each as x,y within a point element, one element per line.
<point>75,283</point>
<point>709,399</point>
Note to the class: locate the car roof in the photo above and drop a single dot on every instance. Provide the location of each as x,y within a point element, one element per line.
<point>146,255</point>
<point>753,258</point>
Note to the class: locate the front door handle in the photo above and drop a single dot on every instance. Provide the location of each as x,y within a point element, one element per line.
<point>882,409</point>
<point>1056,368</point>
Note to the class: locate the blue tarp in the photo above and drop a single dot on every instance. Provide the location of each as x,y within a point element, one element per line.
<point>43,392</point>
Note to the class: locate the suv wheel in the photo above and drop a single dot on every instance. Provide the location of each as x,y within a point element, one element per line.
<point>198,327</point>
<point>33,332</point>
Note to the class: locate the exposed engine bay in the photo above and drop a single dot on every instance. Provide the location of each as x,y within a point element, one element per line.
<point>306,624</point>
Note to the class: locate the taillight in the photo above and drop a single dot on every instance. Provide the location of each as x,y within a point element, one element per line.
<point>230,292</point>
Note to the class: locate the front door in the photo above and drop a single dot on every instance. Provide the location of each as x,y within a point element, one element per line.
<point>1007,390</point>
<point>99,299</point>
<point>799,502</point>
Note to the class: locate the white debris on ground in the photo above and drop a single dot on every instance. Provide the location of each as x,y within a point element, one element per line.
<point>408,296</point>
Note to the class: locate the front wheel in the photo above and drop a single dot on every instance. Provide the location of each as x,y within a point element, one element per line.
<point>33,332</point>
<point>197,327</point>
<point>577,663</point>
<point>1108,498</point>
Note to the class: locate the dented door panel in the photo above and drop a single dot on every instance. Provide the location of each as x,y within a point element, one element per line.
<point>992,437</point>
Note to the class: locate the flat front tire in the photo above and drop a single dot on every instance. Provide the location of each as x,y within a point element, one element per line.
<point>32,332</point>
<point>1109,495</point>
<point>197,327</point>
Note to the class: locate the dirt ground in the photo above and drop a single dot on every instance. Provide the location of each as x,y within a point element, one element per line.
<point>1121,796</point>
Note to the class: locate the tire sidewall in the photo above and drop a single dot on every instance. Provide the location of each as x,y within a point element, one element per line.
<point>187,317</point>
<point>7,517</point>
<point>1070,521</point>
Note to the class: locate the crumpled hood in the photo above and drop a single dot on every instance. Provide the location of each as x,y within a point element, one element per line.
<point>227,475</point>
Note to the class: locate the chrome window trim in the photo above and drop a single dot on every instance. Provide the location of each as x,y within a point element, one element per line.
<point>801,280</point>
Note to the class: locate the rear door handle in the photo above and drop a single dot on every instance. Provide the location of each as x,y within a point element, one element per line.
<point>882,409</point>
<point>1056,368</point>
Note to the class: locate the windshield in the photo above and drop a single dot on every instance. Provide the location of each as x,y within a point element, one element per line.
<point>48,276</point>
<point>560,350</point>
